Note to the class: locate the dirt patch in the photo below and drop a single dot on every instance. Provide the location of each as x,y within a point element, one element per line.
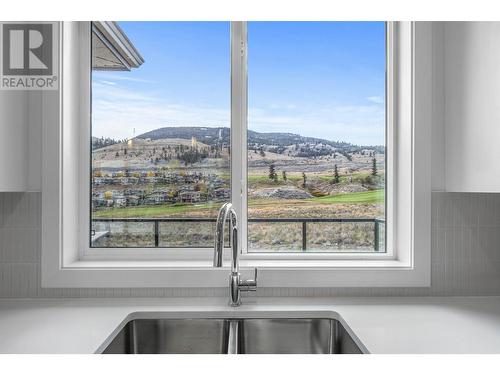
<point>281,193</point>
<point>350,188</point>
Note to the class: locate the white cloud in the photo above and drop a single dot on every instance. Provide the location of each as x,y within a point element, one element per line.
<point>117,112</point>
<point>375,99</point>
<point>103,82</point>
<point>115,77</point>
<point>363,125</point>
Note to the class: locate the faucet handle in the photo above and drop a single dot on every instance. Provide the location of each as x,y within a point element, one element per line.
<point>249,285</point>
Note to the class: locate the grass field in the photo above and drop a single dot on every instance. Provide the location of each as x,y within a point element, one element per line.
<point>372,196</point>
<point>164,210</point>
<point>203,210</point>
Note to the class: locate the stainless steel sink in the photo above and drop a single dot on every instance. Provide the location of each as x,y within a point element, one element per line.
<point>175,336</point>
<point>295,336</point>
<point>238,336</point>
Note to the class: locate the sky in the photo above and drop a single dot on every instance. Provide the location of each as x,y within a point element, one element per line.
<point>317,79</point>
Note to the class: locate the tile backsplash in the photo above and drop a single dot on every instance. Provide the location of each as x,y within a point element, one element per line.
<point>465,254</point>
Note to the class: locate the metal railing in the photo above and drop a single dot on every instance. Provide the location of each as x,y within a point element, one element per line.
<point>304,221</point>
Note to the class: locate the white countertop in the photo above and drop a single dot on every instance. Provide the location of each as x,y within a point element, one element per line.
<point>382,325</point>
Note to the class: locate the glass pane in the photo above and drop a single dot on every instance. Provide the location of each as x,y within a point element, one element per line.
<point>316,136</point>
<point>119,234</point>
<point>342,236</point>
<point>196,233</point>
<point>269,236</point>
<point>160,134</point>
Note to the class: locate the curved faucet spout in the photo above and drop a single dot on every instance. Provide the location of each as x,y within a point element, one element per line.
<point>236,284</point>
<point>225,210</point>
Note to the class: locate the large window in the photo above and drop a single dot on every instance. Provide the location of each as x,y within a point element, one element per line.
<point>188,115</point>
<point>161,136</point>
<point>314,135</point>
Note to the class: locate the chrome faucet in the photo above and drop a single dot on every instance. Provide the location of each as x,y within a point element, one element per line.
<point>236,284</point>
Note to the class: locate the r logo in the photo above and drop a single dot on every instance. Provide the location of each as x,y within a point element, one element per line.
<point>27,49</point>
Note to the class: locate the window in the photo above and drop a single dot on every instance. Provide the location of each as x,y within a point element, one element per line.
<point>316,136</point>
<point>161,137</point>
<point>229,85</point>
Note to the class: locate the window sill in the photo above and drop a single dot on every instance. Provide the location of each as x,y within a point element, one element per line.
<point>273,264</point>
<point>272,273</point>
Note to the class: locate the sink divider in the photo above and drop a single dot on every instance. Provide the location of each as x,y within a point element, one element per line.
<point>233,339</point>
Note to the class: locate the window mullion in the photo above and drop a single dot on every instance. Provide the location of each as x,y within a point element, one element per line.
<point>239,125</point>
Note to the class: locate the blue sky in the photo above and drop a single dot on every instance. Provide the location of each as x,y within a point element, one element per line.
<point>319,79</point>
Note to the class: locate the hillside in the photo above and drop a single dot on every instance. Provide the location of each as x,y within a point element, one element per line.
<point>221,136</point>
<point>178,172</point>
<point>208,148</point>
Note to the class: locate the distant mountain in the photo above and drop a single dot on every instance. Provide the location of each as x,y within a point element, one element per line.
<point>209,136</point>
<point>221,135</point>
<point>103,142</point>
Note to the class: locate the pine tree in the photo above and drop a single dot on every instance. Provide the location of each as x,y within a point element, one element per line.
<point>272,173</point>
<point>304,179</point>
<point>336,177</point>
<point>374,167</point>
<point>284,175</point>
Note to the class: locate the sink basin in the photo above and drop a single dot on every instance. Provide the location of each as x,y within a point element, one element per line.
<point>175,336</point>
<point>295,336</point>
<point>234,335</point>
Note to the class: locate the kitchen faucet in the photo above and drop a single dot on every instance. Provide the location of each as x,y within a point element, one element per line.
<point>236,284</point>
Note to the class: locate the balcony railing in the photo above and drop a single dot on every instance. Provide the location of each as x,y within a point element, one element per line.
<point>303,221</point>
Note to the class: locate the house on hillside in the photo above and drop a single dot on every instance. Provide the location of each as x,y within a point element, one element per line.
<point>138,192</point>
<point>189,196</point>
<point>97,181</point>
<point>221,193</point>
<point>132,200</point>
<point>190,178</point>
<point>187,188</point>
<point>157,197</point>
<point>98,201</point>
<point>125,181</point>
<point>119,200</point>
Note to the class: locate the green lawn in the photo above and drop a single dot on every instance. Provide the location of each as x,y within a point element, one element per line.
<point>371,196</point>
<point>153,211</point>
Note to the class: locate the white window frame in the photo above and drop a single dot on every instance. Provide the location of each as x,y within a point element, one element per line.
<point>67,260</point>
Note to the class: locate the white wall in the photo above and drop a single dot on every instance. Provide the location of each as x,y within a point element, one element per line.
<point>472,106</point>
<point>36,113</point>
<point>13,140</point>
<point>20,140</point>
<point>437,71</point>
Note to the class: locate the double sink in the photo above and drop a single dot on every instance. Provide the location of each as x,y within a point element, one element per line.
<point>231,335</point>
